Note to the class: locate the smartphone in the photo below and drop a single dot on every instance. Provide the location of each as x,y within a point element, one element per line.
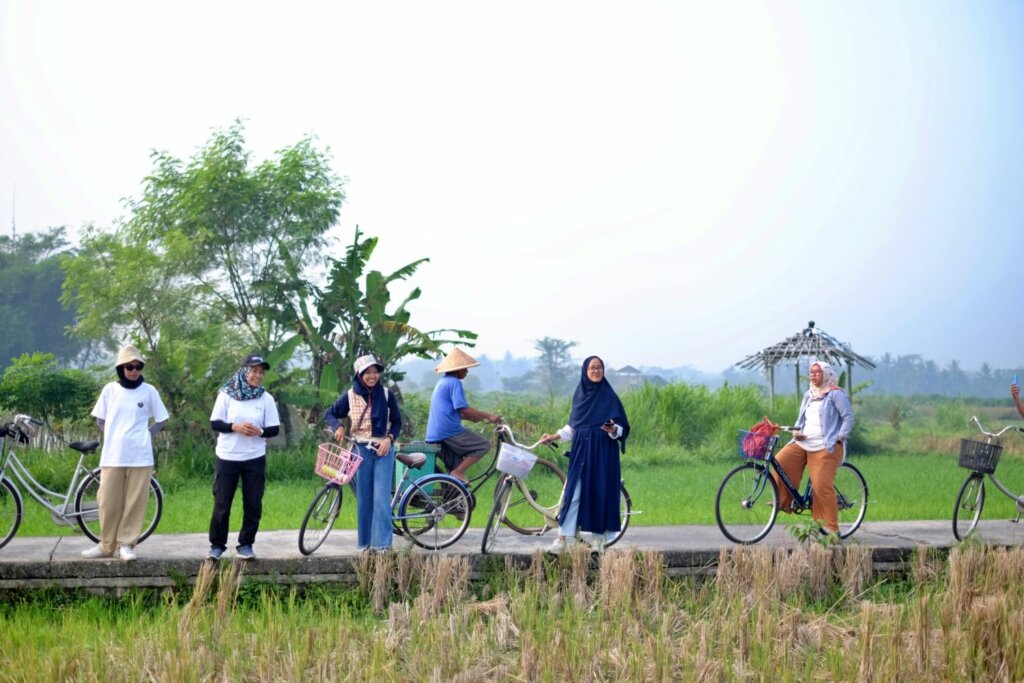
<point>609,423</point>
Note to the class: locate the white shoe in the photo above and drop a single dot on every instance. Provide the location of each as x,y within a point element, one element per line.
<point>94,553</point>
<point>127,553</point>
<point>557,547</point>
<point>597,545</point>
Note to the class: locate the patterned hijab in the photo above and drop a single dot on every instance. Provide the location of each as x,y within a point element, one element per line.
<point>829,380</point>
<point>238,387</point>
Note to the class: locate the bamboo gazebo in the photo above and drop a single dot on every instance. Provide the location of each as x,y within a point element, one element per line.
<point>812,343</point>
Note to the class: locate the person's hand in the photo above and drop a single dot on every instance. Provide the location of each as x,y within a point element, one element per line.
<point>1015,391</point>
<point>610,427</point>
<point>799,436</point>
<point>383,446</point>
<point>495,419</point>
<point>339,434</point>
<point>548,438</point>
<point>246,428</point>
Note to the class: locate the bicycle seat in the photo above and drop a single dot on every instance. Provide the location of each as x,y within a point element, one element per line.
<point>84,446</point>
<point>413,461</point>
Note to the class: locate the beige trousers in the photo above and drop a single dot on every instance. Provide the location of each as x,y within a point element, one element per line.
<point>123,495</point>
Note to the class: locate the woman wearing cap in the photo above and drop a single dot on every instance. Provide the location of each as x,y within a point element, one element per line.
<point>123,412</point>
<point>824,425</point>
<point>598,429</point>
<point>460,447</point>
<point>376,423</point>
<point>244,417</point>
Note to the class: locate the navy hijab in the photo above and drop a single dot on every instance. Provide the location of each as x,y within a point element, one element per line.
<point>594,403</point>
<point>377,404</point>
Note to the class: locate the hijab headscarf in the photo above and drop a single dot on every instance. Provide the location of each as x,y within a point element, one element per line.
<point>128,383</point>
<point>376,403</point>
<point>594,403</point>
<point>238,386</point>
<point>829,380</point>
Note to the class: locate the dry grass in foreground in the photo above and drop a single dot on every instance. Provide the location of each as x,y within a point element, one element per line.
<point>811,614</point>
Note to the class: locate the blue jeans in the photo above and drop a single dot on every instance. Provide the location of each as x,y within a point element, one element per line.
<point>569,527</point>
<point>373,498</point>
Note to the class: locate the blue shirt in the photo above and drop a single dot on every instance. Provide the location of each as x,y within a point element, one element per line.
<point>447,400</point>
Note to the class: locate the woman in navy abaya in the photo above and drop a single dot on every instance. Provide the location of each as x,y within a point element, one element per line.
<point>598,429</point>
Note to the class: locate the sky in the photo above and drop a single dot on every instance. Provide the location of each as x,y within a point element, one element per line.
<point>664,183</point>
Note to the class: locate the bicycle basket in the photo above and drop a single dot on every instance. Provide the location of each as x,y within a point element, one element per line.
<point>336,464</point>
<point>979,456</point>
<point>756,445</point>
<point>515,461</point>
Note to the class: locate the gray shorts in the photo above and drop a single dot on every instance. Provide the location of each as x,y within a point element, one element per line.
<point>465,444</point>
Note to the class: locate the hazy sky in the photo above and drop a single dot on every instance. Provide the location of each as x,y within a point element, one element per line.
<point>665,183</point>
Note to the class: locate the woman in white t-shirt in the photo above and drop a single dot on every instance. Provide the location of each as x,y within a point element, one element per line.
<point>244,417</point>
<point>824,426</point>
<point>124,411</point>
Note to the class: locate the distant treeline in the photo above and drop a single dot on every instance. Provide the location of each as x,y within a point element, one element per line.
<point>897,375</point>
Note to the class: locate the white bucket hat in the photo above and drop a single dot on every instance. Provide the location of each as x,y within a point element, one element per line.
<point>127,354</point>
<point>363,362</point>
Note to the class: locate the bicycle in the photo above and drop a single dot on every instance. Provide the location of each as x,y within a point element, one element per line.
<point>981,458</point>
<point>512,493</point>
<point>78,505</point>
<point>747,503</point>
<point>433,511</point>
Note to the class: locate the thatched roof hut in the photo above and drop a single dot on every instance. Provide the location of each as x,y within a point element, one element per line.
<point>811,344</point>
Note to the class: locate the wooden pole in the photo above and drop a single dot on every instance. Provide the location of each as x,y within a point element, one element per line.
<point>797,368</point>
<point>771,388</point>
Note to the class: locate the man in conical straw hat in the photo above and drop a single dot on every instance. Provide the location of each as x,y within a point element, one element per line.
<point>460,447</point>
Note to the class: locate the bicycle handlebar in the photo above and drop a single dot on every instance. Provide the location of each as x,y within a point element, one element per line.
<point>512,439</point>
<point>977,423</point>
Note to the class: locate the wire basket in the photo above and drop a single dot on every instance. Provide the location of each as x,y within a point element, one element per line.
<point>755,445</point>
<point>336,464</point>
<point>979,456</point>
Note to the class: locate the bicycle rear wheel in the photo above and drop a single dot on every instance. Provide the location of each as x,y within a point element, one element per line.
<point>435,511</point>
<point>969,503</point>
<point>87,511</point>
<point>852,496</point>
<point>625,510</point>
<point>11,511</point>
<point>501,502</point>
<point>320,518</point>
<point>543,487</point>
<point>747,503</point>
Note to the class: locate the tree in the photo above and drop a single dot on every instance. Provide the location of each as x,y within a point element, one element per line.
<point>30,306</point>
<point>34,384</point>
<point>354,317</point>
<point>554,365</point>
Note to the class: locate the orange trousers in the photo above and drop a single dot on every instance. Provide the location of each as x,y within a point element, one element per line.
<point>822,467</point>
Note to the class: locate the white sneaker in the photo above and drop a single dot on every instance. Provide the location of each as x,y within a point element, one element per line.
<point>597,544</point>
<point>127,553</point>
<point>94,553</point>
<point>557,547</point>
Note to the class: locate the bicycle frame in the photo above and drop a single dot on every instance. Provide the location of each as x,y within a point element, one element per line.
<point>42,495</point>
<point>1018,499</point>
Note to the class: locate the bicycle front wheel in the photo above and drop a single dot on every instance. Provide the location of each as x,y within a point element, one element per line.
<point>320,518</point>
<point>852,497</point>
<point>87,509</point>
<point>11,511</point>
<point>625,510</point>
<point>435,511</point>
<point>542,488</point>
<point>747,503</point>
<point>969,503</point>
<point>502,497</point>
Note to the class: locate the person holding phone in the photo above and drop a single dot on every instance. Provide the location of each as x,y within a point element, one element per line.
<point>598,429</point>
<point>1015,392</point>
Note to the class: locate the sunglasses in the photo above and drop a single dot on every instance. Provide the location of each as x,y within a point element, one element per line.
<point>133,368</point>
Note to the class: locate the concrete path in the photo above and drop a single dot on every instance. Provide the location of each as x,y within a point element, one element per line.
<point>174,559</point>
